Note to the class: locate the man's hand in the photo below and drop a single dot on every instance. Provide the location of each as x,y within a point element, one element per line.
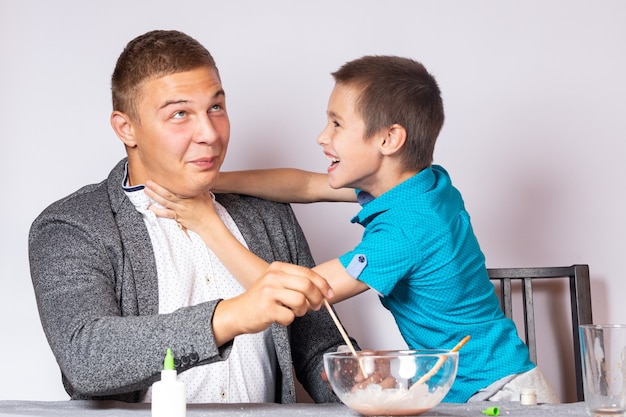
<point>282,293</point>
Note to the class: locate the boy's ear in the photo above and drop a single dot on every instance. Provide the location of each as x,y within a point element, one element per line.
<point>123,126</point>
<point>393,140</point>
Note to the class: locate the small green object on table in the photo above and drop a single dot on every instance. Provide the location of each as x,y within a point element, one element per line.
<point>491,411</point>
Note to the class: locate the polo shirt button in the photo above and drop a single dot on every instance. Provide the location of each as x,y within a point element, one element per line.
<point>223,394</point>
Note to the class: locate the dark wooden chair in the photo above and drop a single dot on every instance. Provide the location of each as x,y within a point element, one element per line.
<point>580,297</point>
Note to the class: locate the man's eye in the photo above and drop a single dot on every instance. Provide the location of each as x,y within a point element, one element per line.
<point>179,114</point>
<point>216,107</point>
<point>335,123</point>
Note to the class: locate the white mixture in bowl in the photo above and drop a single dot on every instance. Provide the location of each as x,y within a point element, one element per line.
<point>373,400</point>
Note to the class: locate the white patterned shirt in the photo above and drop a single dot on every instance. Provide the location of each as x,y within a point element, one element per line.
<point>189,273</point>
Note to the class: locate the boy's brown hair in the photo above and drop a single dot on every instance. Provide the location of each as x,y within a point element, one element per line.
<point>397,90</point>
<point>153,55</point>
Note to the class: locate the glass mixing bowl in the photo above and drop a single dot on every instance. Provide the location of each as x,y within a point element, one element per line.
<point>391,382</point>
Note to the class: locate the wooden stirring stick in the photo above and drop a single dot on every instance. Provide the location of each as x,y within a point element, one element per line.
<point>439,363</point>
<point>343,334</point>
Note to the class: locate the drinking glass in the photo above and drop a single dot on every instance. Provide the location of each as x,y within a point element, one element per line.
<point>603,357</point>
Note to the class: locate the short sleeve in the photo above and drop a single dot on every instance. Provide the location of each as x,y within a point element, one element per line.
<point>385,256</point>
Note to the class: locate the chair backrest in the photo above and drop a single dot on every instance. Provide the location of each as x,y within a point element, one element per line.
<point>580,298</point>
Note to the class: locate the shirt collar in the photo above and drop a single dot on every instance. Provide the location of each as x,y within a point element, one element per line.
<point>125,182</point>
<point>407,189</point>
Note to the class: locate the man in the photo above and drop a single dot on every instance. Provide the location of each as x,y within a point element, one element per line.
<point>116,286</point>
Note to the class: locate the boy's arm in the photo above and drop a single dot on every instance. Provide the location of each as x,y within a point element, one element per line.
<point>285,185</point>
<point>343,284</point>
<point>246,267</point>
<point>198,214</point>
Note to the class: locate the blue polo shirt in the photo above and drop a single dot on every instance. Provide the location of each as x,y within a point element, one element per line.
<point>420,253</point>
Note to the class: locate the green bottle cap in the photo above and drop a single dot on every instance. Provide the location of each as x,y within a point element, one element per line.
<point>491,411</point>
<point>168,362</point>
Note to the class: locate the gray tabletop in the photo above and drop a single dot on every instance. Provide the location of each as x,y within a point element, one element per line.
<point>119,409</point>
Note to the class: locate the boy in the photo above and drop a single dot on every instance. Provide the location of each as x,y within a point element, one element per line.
<point>418,249</point>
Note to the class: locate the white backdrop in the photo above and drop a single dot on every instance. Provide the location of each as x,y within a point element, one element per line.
<point>534,136</point>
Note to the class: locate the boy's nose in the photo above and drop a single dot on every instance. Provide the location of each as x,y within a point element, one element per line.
<point>322,138</point>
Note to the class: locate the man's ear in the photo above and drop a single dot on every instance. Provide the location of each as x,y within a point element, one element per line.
<point>123,126</point>
<point>394,140</point>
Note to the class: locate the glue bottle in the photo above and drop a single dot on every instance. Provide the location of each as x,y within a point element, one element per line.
<point>168,395</point>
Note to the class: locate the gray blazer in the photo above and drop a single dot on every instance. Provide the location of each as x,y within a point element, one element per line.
<point>95,282</point>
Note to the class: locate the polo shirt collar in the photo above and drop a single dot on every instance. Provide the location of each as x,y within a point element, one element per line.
<point>409,188</point>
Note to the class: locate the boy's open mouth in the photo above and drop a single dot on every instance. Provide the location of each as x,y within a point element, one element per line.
<point>333,160</point>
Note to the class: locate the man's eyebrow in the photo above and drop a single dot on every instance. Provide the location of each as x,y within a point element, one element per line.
<point>171,102</point>
<point>218,93</point>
